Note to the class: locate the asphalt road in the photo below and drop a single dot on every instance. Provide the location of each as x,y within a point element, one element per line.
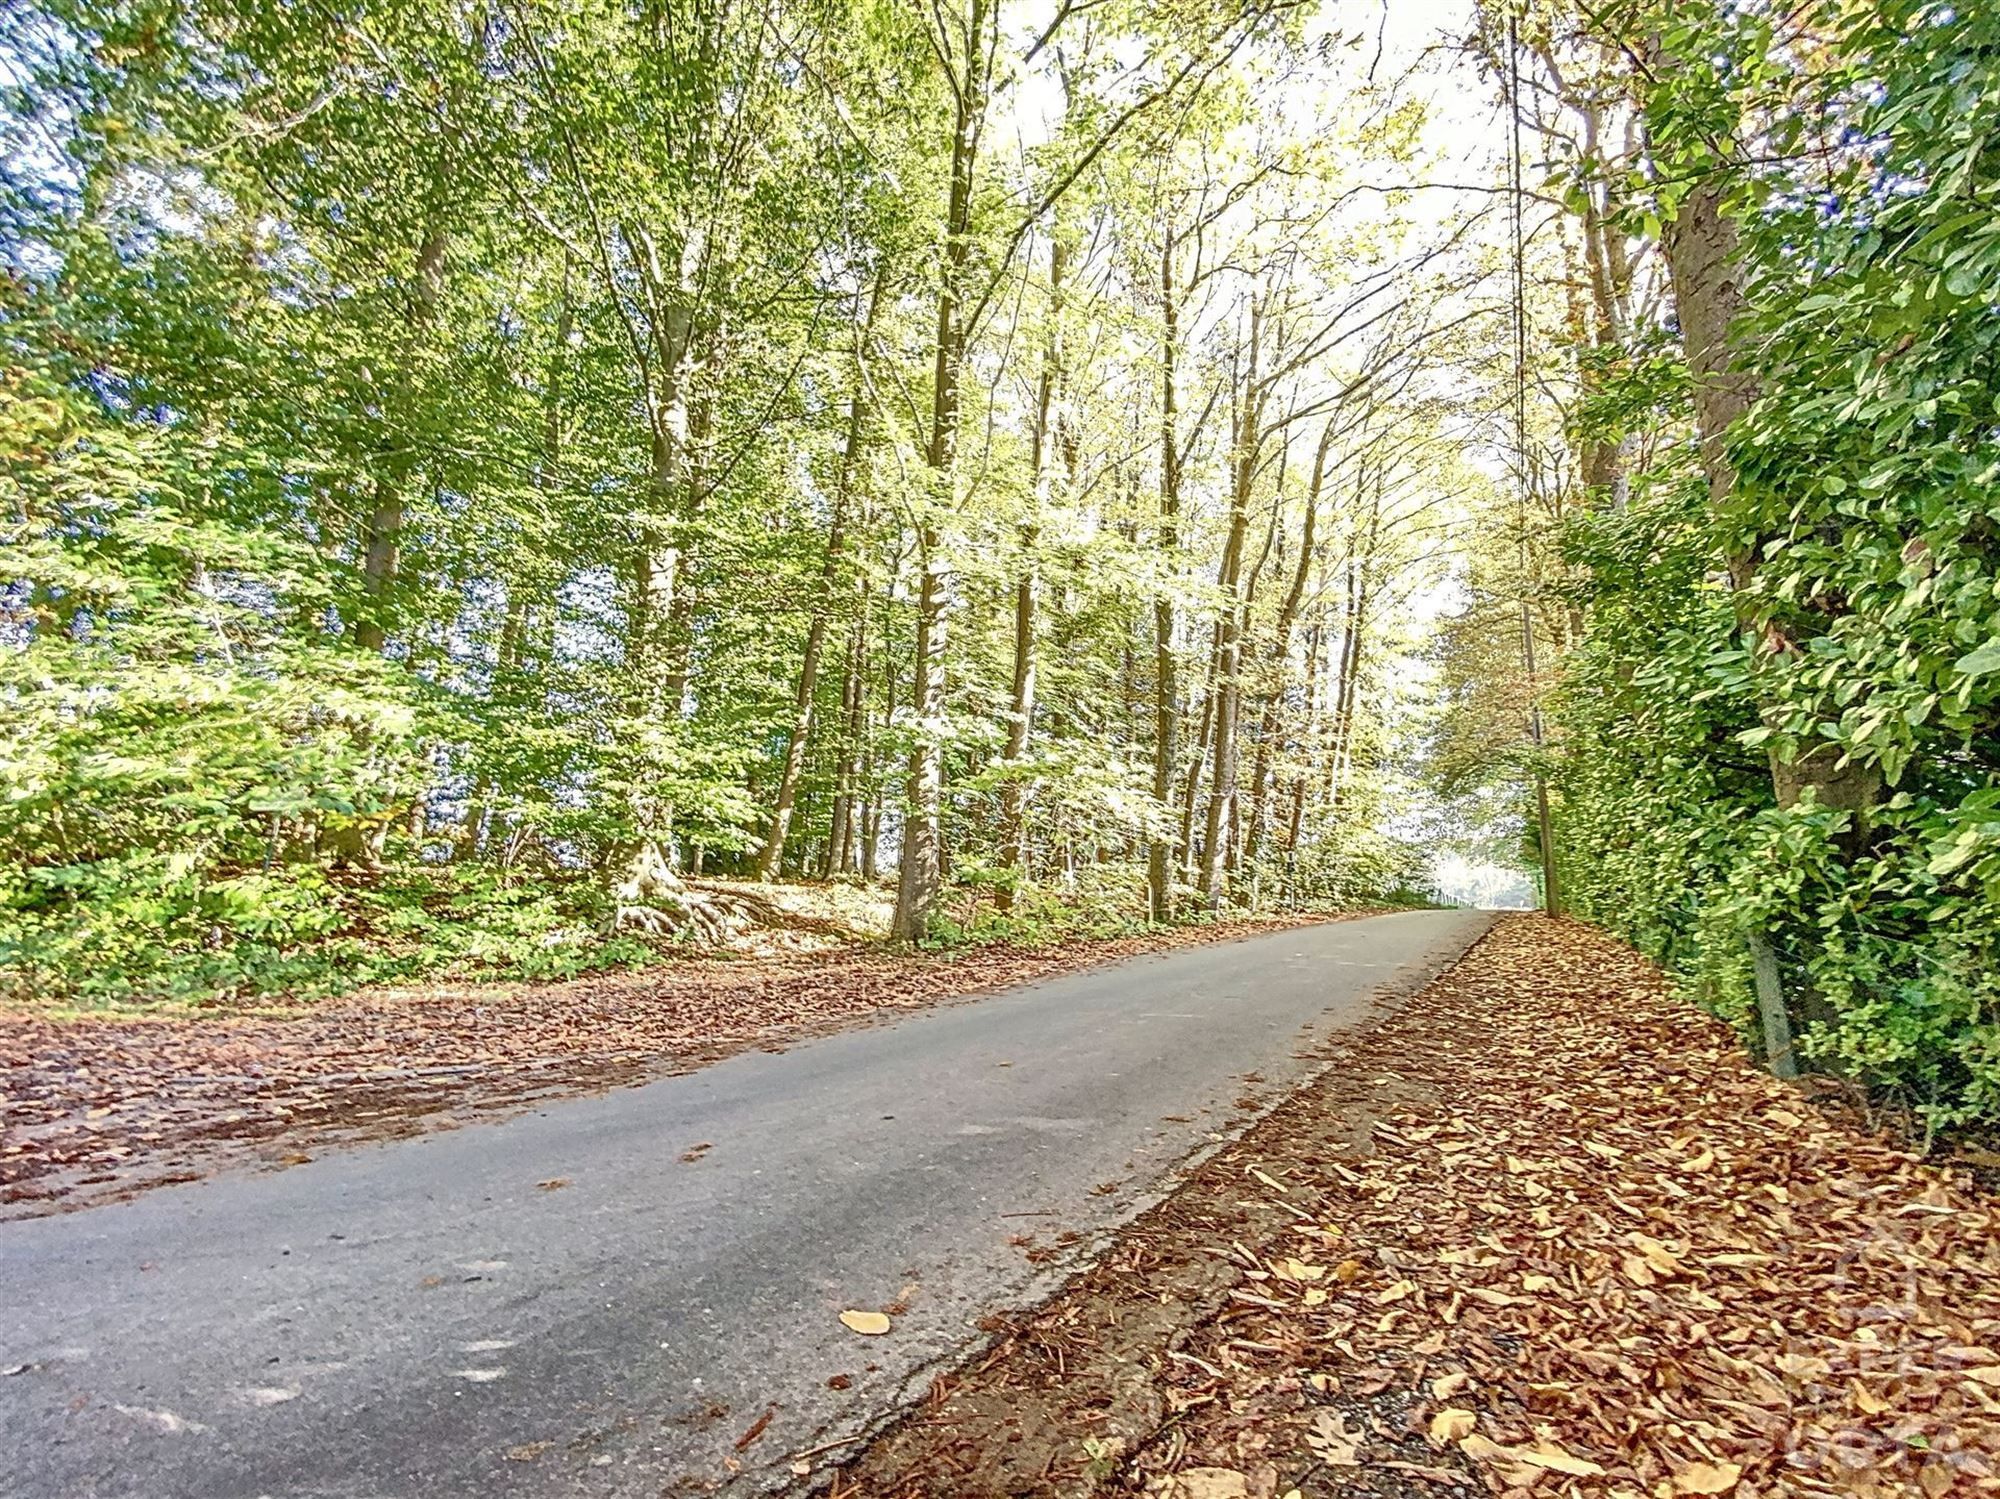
<point>422,1320</point>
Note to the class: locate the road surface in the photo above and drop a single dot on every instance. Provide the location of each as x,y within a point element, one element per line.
<point>437,1318</point>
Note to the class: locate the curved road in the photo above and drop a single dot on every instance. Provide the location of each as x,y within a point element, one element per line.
<point>421,1320</point>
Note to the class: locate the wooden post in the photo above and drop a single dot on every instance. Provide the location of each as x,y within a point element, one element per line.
<point>1771,1008</point>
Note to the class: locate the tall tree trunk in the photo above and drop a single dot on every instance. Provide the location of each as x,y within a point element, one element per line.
<point>1049,433</point>
<point>382,537</point>
<point>920,876</point>
<point>1281,650</point>
<point>1166,686</point>
<point>848,790</point>
<point>360,845</point>
<point>1247,440</point>
<point>772,856</point>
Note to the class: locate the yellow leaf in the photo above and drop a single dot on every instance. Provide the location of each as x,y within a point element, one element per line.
<point>1701,1162</point>
<point>1396,1292</point>
<point>1447,1385</point>
<point>1662,1259</point>
<point>1988,1375</point>
<point>1479,1449</point>
<point>868,1324</point>
<point>1347,1271</point>
<point>1452,1425</point>
<point>1707,1478</point>
<point>1315,1296</point>
<point>1540,1283</point>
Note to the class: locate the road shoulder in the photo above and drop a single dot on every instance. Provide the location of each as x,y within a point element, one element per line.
<point>1542,1229</point>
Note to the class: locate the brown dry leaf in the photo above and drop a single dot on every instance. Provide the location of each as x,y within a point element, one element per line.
<point>1331,1442</point>
<point>1660,1259</point>
<point>1451,1425</point>
<point>527,1452</point>
<point>553,1184</point>
<point>868,1324</point>
<point>1544,1454</point>
<point>1447,1385</point>
<point>1707,1478</point>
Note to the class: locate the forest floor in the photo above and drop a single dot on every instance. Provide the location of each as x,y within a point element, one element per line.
<point>1543,1231</point>
<point>99,1107</point>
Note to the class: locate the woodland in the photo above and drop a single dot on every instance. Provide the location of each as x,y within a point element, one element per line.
<point>489,486</point>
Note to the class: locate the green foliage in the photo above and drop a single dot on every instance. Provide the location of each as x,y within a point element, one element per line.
<point>1864,499</point>
<point>150,928</point>
<point>430,435</point>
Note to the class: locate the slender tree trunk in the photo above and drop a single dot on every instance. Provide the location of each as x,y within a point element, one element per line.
<point>359,845</point>
<point>772,856</point>
<point>920,877</point>
<point>1281,650</point>
<point>1248,437</point>
<point>1166,686</point>
<point>1048,434</point>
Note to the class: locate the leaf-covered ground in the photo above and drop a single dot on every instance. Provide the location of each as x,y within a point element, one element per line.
<point>1543,1231</point>
<point>96,1107</point>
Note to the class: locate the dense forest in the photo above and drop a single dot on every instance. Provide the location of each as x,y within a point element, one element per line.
<point>474,473</point>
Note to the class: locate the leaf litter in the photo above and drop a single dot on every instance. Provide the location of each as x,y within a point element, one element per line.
<point>1568,1242</point>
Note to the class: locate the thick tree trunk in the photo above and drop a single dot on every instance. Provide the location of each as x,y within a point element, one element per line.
<point>1701,247</point>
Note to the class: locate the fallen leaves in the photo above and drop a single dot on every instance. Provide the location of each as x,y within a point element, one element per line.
<point>1592,1252</point>
<point>868,1324</point>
